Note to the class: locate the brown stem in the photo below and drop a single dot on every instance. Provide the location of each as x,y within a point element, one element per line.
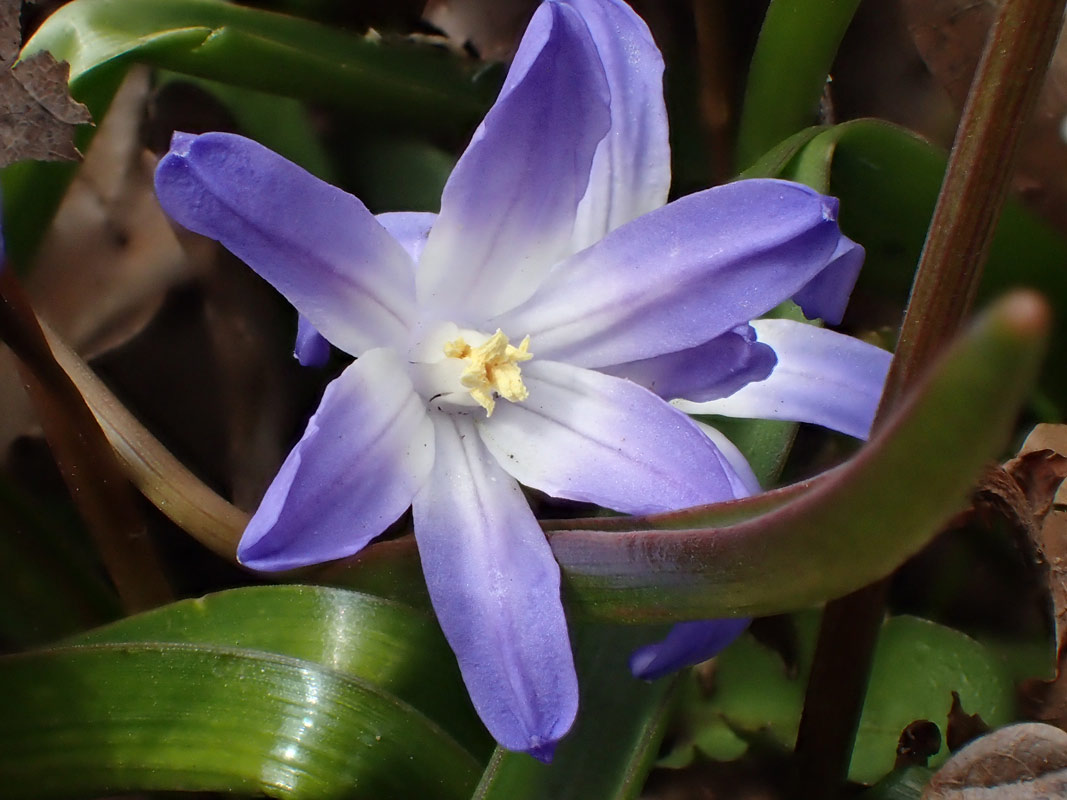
<point>101,493</point>
<point>1002,96</point>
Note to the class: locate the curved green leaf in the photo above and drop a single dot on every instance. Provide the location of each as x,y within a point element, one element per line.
<point>888,181</point>
<point>853,527</point>
<point>391,81</point>
<point>96,719</point>
<point>398,649</point>
<point>797,45</point>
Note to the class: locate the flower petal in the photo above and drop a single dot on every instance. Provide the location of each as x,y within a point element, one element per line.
<point>582,435</point>
<point>508,209</point>
<point>366,451</point>
<point>743,480</point>
<point>687,643</point>
<point>631,171</point>
<point>410,228</point>
<point>822,377</point>
<point>495,587</point>
<point>707,372</point>
<point>310,348</point>
<point>681,275</point>
<point>316,244</point>
<point>827,294</point>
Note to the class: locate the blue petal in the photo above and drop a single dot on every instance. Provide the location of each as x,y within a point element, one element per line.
<point>310,348</point>
<point>409,228</point>
<point>822,377</point>
<point>712,370</point>
<point>365,453</point>
<point>686,644</point>
<point>631,171</point>
<point>317,245</point>
<point>583,435</point>
<point>508,209</point>
<point>743,480</point>
<point>678,277</point>
<point>495,587</point>
<point>827,294</point>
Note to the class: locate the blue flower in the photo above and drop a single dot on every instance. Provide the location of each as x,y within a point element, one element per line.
<point>529,334</point>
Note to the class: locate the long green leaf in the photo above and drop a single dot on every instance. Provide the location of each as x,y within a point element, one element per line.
<point>797,45</point>
<point>855,526</point>
<point>99,719</point>
<point>397,81</point>
<point>396,648</point>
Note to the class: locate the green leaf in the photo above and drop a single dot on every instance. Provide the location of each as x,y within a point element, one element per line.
<point>842,531</point>
<point>610,751</point>
<point>917,666</point>
<point>288,691</point>
<point>102,719</point>
<point>280,123</point>
<point>797,45</point>
<point>389,82</point>
<point>888,179</point>
<point>396,648</point>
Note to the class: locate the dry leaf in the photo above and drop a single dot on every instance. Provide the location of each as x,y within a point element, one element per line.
<point>962,727</point>
<point>918,741</point>
<point>37,114</point>
<point>950,35</point>
<point>1041,457</point>
<point>109,256</point>
<point>1028,760</point>
<point>491,27</point>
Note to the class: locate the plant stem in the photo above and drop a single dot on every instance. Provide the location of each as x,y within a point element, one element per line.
<point>1002,96</point>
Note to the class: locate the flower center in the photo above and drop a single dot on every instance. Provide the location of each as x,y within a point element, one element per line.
<point>492,369</point>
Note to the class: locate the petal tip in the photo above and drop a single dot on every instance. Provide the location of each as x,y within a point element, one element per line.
<point>644,664</point>
<point>830,207</point>
<point>542,751</point>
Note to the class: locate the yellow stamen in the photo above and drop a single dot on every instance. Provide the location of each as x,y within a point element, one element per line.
<point>492,369</point>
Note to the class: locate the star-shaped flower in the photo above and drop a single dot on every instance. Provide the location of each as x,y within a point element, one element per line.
<point>531,333</point>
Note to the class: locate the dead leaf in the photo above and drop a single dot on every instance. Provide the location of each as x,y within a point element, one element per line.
<point>918,741</point>
<point>38,117</point>
<point>491,27</point>
<point>1028,760</point>
<point>962,727</point>
<point>950,35</point>
<point>110,254</point>
<point>1039,470</point>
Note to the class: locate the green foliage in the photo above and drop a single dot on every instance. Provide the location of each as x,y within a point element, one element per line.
<point>788,72</point>
<point>917,666</point>
<point>289,691</point>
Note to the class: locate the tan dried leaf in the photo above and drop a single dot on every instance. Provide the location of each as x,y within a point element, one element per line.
<point>38,117</point>
<point>1019,762</point>
<point>492,27</point>
<point>950,35</point>
<point>109,256</point>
